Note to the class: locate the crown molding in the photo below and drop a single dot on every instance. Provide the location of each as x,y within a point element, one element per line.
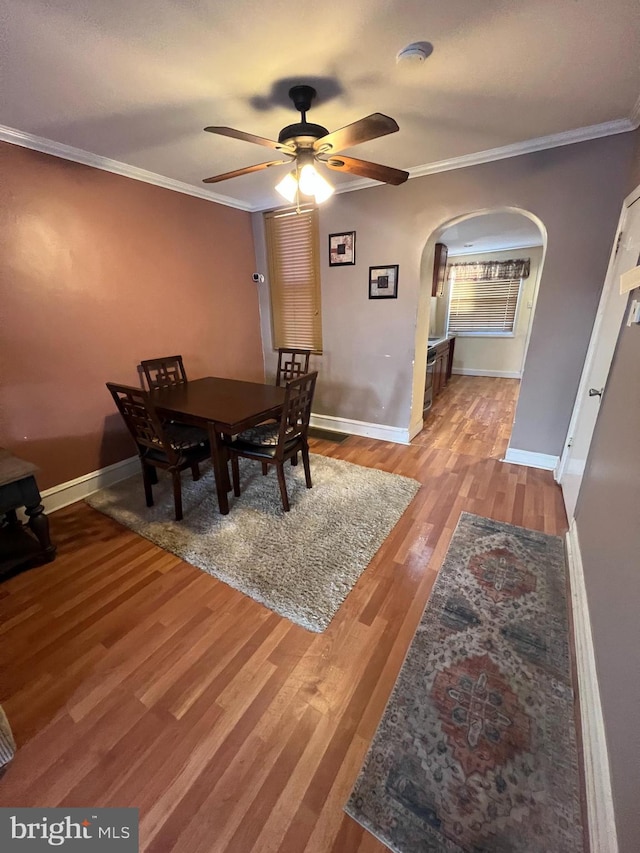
<point>529,146</point>
<point>78,155</point>
<point>361,184</point>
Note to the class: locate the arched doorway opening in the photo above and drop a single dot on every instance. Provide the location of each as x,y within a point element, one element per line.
<point>485,238</point>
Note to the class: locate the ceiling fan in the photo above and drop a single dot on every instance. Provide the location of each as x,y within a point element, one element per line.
<point>304,143</point>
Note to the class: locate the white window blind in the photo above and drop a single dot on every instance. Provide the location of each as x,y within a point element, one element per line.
<point>294,279</point>
<point>483,307</point>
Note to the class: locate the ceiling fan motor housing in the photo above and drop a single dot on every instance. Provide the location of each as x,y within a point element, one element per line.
<point>303,132</point>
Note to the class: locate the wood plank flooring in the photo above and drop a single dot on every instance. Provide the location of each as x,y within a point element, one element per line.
<point>132,678</point>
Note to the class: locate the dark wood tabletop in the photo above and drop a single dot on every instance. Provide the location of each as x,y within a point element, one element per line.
<point>227,403</point>
<point>221,406</point>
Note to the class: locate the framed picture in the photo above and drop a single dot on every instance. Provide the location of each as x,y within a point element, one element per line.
<point>383,282</point>
<point>342,249</point>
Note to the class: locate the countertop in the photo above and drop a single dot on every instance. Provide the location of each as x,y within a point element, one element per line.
<point>433,342</point>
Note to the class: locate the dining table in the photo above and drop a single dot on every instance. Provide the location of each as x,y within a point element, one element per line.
<point>224,407</point>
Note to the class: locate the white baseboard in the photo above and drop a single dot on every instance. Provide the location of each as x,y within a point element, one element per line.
<point>380,431</point>
<point>531,459</point>
<point>471,371</point>
<point>67,493</point>
<point>600,811</point>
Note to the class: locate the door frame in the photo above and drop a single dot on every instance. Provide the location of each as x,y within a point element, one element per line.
<point>609,282</point>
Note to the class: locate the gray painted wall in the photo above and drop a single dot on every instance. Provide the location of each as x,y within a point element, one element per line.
<point>366,371</point>
<point>608,522</point>
<point>577,191</point>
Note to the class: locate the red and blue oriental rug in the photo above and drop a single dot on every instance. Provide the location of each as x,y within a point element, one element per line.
<point>476,751</point>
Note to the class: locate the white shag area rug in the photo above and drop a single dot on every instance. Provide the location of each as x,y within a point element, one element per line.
<point>301,564</point>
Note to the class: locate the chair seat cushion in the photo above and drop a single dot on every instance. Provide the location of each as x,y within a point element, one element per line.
<point>263,451</point>
<point>262,435</point>
<point>185,437</point>
<point>262,441</point>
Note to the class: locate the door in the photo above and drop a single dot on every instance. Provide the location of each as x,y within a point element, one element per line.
<point>600,354</point>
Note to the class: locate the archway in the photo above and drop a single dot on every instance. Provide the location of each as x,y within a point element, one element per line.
<point>498,233</point>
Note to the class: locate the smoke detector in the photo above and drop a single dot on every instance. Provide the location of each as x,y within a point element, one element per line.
<point>415,53</point>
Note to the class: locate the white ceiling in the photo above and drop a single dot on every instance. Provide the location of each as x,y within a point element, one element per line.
<point>491,232</point>
<point>137,81</point>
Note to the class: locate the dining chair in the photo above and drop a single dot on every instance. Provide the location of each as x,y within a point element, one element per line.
<point>171,447</point>
<point>274,443</point>
<point>162,372</point>
<point>292,363</point>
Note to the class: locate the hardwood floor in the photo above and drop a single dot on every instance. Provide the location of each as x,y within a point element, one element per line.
<point>131,678</point>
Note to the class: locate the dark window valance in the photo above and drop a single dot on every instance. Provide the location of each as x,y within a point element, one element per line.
<point>491,270</point>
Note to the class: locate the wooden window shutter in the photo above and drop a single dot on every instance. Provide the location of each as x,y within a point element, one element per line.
<point>294,278</point>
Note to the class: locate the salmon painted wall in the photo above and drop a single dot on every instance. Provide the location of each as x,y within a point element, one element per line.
<point>97,272</point>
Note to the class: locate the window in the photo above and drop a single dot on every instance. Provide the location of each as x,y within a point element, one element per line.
<point>294,278</point>
<point>483,307</point>
<point>484,300</point>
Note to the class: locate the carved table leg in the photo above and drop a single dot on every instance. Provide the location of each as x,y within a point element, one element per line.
<point>39,524</point>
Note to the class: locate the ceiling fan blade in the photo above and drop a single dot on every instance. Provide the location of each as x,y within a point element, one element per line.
<point>365,129</point>
<point>246,171</point>
<point>250,137</point>
<point>365,169</point>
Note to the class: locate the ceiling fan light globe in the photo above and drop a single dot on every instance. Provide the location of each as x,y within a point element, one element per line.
<point>308,179</point>
<point>323,190</point>
<point>313,184</point>
<point>288,186</point>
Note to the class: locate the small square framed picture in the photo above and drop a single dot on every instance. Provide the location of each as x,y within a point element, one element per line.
<point>383,282</point>
<point>342,249</point>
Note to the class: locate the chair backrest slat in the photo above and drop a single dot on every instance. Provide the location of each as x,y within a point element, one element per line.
<point>141,418</point>
<point>296,410</point>
<point>292,363</point>
<point>163,372</point>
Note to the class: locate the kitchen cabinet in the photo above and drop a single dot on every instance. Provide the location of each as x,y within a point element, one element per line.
<point>439,368</point>
<point>439,371</point>
<point>439,269</point>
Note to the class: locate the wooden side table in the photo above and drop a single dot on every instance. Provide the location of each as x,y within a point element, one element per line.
<point>21,545</point>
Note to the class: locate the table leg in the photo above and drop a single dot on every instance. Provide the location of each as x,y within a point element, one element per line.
<point>11,517</point>
<point>219,459</point>
<point>39,524</point>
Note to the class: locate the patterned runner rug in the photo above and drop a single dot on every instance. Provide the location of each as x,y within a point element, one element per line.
<point>476,751</point>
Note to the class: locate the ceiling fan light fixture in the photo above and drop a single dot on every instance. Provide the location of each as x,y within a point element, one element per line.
<point>324,190</point>
<point>309,183</point>
<point>312,183</point>
<point>288,187</point>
